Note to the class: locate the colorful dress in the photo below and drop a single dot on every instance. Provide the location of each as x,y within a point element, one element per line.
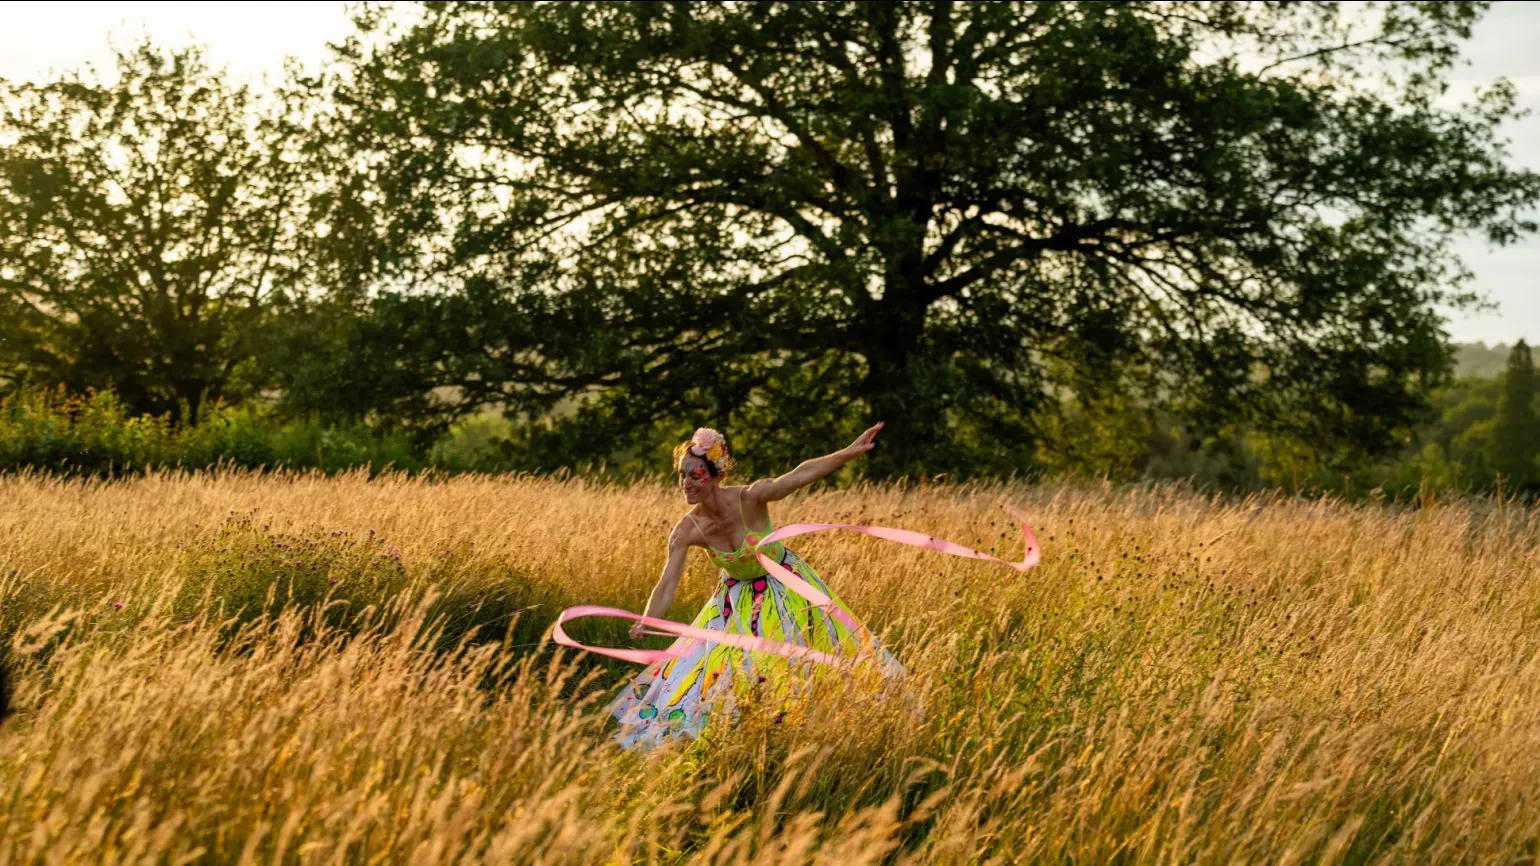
<point>674,697</point>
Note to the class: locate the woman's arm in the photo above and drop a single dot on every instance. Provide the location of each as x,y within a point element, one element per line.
<point>668,583</point>
<point>775,489</point>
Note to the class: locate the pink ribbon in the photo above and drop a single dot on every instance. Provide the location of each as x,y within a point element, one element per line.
<point>688,635</point>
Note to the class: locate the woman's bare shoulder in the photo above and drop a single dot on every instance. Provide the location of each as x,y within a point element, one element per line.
<point>686,532</point>
<point>751,491</point>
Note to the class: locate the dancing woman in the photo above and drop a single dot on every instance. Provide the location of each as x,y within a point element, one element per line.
<point>672,697</point>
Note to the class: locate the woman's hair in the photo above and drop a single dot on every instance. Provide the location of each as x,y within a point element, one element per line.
<point>710,447</point>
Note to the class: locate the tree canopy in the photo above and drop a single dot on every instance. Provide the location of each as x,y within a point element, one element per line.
<point>1030,235</point>
<point>962,215</point>
<point>149,225</point>
<point>1514,446</point>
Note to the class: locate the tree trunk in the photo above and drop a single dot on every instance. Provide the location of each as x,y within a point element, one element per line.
<point>189,400</point>
<point>895,388</point>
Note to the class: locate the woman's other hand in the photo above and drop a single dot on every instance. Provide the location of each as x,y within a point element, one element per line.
<point>865,442</point>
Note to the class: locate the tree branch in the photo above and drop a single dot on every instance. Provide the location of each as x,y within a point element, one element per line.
<point>1065,240</point>
<point>1331,49</point>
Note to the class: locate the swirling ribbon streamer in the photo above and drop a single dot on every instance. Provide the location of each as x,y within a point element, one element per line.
<point>689,635</point>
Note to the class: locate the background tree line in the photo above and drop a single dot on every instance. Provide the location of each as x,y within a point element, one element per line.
<point>1206,240</point>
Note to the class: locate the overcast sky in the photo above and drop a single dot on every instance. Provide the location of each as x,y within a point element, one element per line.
<point>253,38</point>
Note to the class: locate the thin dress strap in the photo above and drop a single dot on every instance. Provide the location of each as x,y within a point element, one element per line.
<point>698,529</point>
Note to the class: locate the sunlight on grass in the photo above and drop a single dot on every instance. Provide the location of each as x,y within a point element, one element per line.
<point>295,668</point>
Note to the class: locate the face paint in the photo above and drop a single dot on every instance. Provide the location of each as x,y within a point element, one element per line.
<point>693,476</point>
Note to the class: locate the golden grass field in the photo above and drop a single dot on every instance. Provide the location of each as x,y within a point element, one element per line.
<point>1184,679</point>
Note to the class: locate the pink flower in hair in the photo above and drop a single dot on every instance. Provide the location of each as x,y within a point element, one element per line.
<point>709,444</point>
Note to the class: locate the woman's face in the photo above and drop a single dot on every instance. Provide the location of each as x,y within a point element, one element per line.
<point>694,478</point>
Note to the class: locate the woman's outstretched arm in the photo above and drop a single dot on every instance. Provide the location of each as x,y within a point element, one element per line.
<point>668,583</point>
<point>774,489</point>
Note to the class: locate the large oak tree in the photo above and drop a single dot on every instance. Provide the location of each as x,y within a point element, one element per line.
<point>955,216</point>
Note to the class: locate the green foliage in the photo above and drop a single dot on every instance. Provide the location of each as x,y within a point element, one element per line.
<point>1110,438</point>
<point>96,434</point>
<point>149,231</point>
<point>1451,451</point>
<point>793,218</point>
<point>1515,441</point>
<point>1036,238</point>
<point>480,443</point>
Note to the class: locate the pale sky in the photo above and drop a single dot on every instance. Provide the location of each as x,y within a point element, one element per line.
<point>253,38</point>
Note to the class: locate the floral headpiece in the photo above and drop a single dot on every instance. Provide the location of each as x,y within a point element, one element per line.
<point>709,444</point>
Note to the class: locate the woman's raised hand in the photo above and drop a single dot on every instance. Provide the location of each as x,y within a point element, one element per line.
<point>865,442</point>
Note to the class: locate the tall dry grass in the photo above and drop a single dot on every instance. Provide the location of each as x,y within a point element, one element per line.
<point>249,668</point>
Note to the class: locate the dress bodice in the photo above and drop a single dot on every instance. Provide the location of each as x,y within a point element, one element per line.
<point>743,563</point>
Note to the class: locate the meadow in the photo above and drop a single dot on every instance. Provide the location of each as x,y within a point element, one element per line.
<point>246,667</point>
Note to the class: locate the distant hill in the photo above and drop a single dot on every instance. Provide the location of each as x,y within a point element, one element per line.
<point>1480,360</point>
